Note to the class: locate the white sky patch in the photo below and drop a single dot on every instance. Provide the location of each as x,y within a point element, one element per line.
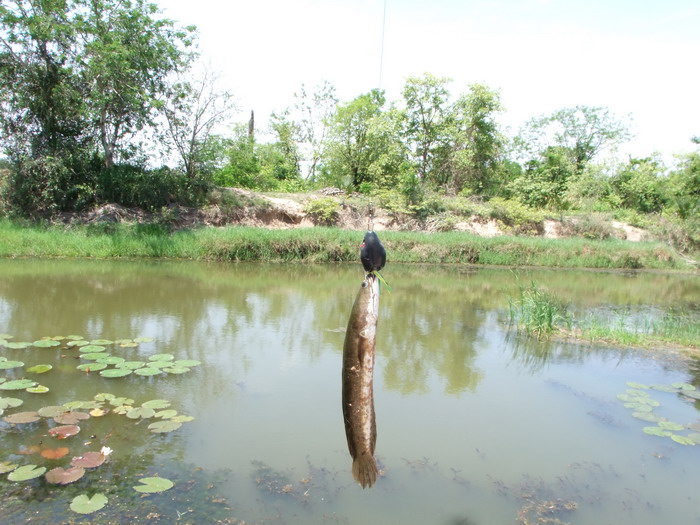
<point>542,55</point>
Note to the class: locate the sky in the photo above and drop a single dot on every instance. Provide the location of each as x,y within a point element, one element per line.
<point>637,58</point>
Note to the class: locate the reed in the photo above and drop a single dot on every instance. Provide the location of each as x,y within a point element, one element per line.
<point>537,312</point>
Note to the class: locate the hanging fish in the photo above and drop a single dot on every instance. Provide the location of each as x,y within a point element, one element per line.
<point>358,370</point>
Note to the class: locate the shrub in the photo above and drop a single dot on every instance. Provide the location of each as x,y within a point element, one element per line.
<point>514,213</point>
<point>323,211</point>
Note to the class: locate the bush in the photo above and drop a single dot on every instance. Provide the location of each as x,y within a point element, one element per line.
<point>514,213</point>
<point>589,226</point>
<point>323,211</point>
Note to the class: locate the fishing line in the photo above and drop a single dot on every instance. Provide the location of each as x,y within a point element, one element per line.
<point>381,52</point>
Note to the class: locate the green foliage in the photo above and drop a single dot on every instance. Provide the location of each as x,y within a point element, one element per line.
<point>323,211</point>
<point>640,185</point>
<point>544,182</point>
<point>590,226</point>
<point>537,311</point>
<point>514,213</point>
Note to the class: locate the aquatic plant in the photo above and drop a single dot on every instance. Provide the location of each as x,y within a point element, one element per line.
<point>536,311</point>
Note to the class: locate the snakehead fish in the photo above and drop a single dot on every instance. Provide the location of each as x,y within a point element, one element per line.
<point>358,369</point>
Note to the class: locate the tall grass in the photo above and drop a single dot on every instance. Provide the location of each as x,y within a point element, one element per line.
<point>325,245</point>
<point>537,312</point>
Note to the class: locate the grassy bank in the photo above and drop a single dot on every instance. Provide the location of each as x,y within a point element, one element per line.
<point>326,245</point>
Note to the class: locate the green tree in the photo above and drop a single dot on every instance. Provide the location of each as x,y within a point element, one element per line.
<point>582,131</point>
<point>128,55</point>
<point>477,144</point>
<point>315,110</point>
<point>428,121</point>
<point>685,184</point>
<point>640,183</point>
<point>287,133</point>
<point>544,181</point>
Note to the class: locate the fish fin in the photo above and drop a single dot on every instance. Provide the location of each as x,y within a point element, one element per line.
<point>364,470</point>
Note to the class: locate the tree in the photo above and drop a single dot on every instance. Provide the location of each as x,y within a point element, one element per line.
<point>287,133</point>
<point>126,59</point>
<point>544,182</point>
<point>192,110</point>
<point>477,143</point>
<point>428,118</point>
<point>42,98</point>
<point>315,110</point>
<point>582,131</point>
<point>640,185</point>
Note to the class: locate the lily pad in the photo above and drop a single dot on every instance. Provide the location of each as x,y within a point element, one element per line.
<point>52,411</point>
<point>122,409</point>
<point>101,342</point>
<point>140,412</point>
<point>54,453</point>
<point>17,345</point>
<point>94,356</point>
<point>143,339</point>
<point>693,394</point>
<point>110,360</point>
<point>19,418</point>
<point>115,372</point>
<point>159,364</point>
<point>104,396</point>
<point>152,485</point>
<point>647,416</point>
<point>131,365</point>
<point>38,389</point>
<point>632,384</point>
<point>92,367</point>
<point>148,371</point>
<point>71,418</point>
<point>156,404</point>
<point>98,412</point>
<point>684,386</point>
<point>167,425</point>
<point>64,431</point>
<point>656,431</point>
<point>670,425</point>
<point>61,476</point>
<point>17,384</point>
<point>6,466</point>
<point>161,357</point>
<point>132,344</point>
<point>92,348</point>
<point>119,401</point>
<point>84,505</point>
<point>89,460</point>
<point>664,388</point>
<point>39,369</point>
<point>6,365</point>
<point>46,343</point>
<point>9,402</point>
<point>683,440</point>
<point>182,418</point>
<point>26,472</point>
<point>176,370</point>
<point>77,343</point>
<point>74,337</point>
<point>166,414</point>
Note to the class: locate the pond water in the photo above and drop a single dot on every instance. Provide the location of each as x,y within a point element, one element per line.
<point>476,424</point>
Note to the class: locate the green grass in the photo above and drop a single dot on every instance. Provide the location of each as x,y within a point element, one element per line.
<point>537,312</point>
<point>321,245</point>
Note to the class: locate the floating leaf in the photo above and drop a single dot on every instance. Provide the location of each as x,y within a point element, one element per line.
<point>64,431</point>
<point>148,371</point>
<point>670,425</point>
<point>182,418</point>
<point>70,418</point>
<point>91,348</point>
<point>46,343</point>
<point>167,425</point>
<point>129,345</point>
<point>695,437</point>
<point>61,476</point>
<point>102,396</point>
<point>632,384</point>
<point>115,372</point>
<point>693,394</point>
<point>141,412</point>
<point>94,356</point>
<point>656,431</point>
<point>639,407</point>
<point>89,460</point>
<point>19,418</point>
<point>17,384</point>
<point>176,370</point>
<point>101,342</point>
<point>166,414</point>
<point>143,339</point>
<point>161,357</point>
<point>683,440</point>
<point>6,365</point>
<point>130,365</point>
<point>123,341</point>
<point>54,453</point>
<point>38,389</point>
<point>117,401</point>
<point>111,360</point>
<point>39,369</point>
<point>159,364</point>
<point>187,363</point>
<point>151,485</point>
<point>72,405</point>
<point>98,412</point>
<point>92,367</point>
<point>156,403</point>
<point>646,416</point>
<point>74,337</point>
<point>664,388</point>
<point>17,346</point>
<point>77,343</point>
<point>122,409</point>
<point>683,386</point>
<point>26,472</point>
<point>84,505</point>
<point>10,402</point>
<point>6,466</point>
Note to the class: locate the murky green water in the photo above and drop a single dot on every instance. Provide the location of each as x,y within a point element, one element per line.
<point>475,425</point>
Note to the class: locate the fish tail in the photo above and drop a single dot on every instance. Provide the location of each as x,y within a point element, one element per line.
<point>364,470</point>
